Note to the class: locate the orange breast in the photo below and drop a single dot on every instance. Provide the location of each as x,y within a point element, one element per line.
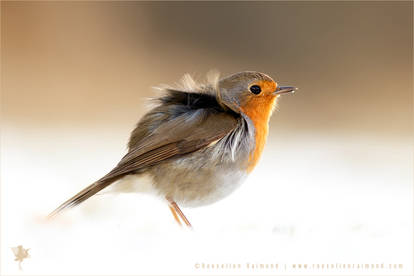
<point>259,109</point>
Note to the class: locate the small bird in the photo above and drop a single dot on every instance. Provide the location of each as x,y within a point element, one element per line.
<point>198,144</point>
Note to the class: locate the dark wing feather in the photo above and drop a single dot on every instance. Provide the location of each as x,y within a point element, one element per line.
<point>173,138</point>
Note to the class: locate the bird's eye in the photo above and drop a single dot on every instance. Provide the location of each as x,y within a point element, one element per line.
<point>255,89</point>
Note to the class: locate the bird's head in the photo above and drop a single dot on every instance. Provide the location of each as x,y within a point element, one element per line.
<point>251,93</point>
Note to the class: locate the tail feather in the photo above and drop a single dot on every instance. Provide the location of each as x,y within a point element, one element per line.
<point>84,194</point>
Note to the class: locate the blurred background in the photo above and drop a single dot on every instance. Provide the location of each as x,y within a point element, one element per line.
<point>335,181</point>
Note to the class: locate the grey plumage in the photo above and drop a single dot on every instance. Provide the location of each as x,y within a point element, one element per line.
<point>172,143</point>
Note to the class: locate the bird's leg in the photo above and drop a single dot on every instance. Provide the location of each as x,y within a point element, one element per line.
<point>174,213</point>
<point>181,214</point>
<point>178,211</point>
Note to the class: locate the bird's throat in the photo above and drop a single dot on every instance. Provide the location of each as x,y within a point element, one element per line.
<point>259,110</point>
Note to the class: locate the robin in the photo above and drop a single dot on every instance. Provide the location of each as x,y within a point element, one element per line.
<point>198,144</point>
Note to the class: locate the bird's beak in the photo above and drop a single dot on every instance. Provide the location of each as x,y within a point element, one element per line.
<point>284,90</point>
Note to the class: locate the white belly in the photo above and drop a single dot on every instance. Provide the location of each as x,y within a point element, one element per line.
<point>134,183</point>
<point>200,192</point>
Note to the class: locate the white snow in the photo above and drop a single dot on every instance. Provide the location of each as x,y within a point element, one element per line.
<point>310,201</point>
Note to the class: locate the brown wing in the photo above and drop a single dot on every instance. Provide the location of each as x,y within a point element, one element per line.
<point>176,137</point>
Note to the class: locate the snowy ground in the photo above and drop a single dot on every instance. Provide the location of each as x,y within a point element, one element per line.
<point>323,201</point>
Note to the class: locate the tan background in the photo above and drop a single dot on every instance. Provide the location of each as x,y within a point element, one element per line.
<point>336,176</point>
<point>92,63</point>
